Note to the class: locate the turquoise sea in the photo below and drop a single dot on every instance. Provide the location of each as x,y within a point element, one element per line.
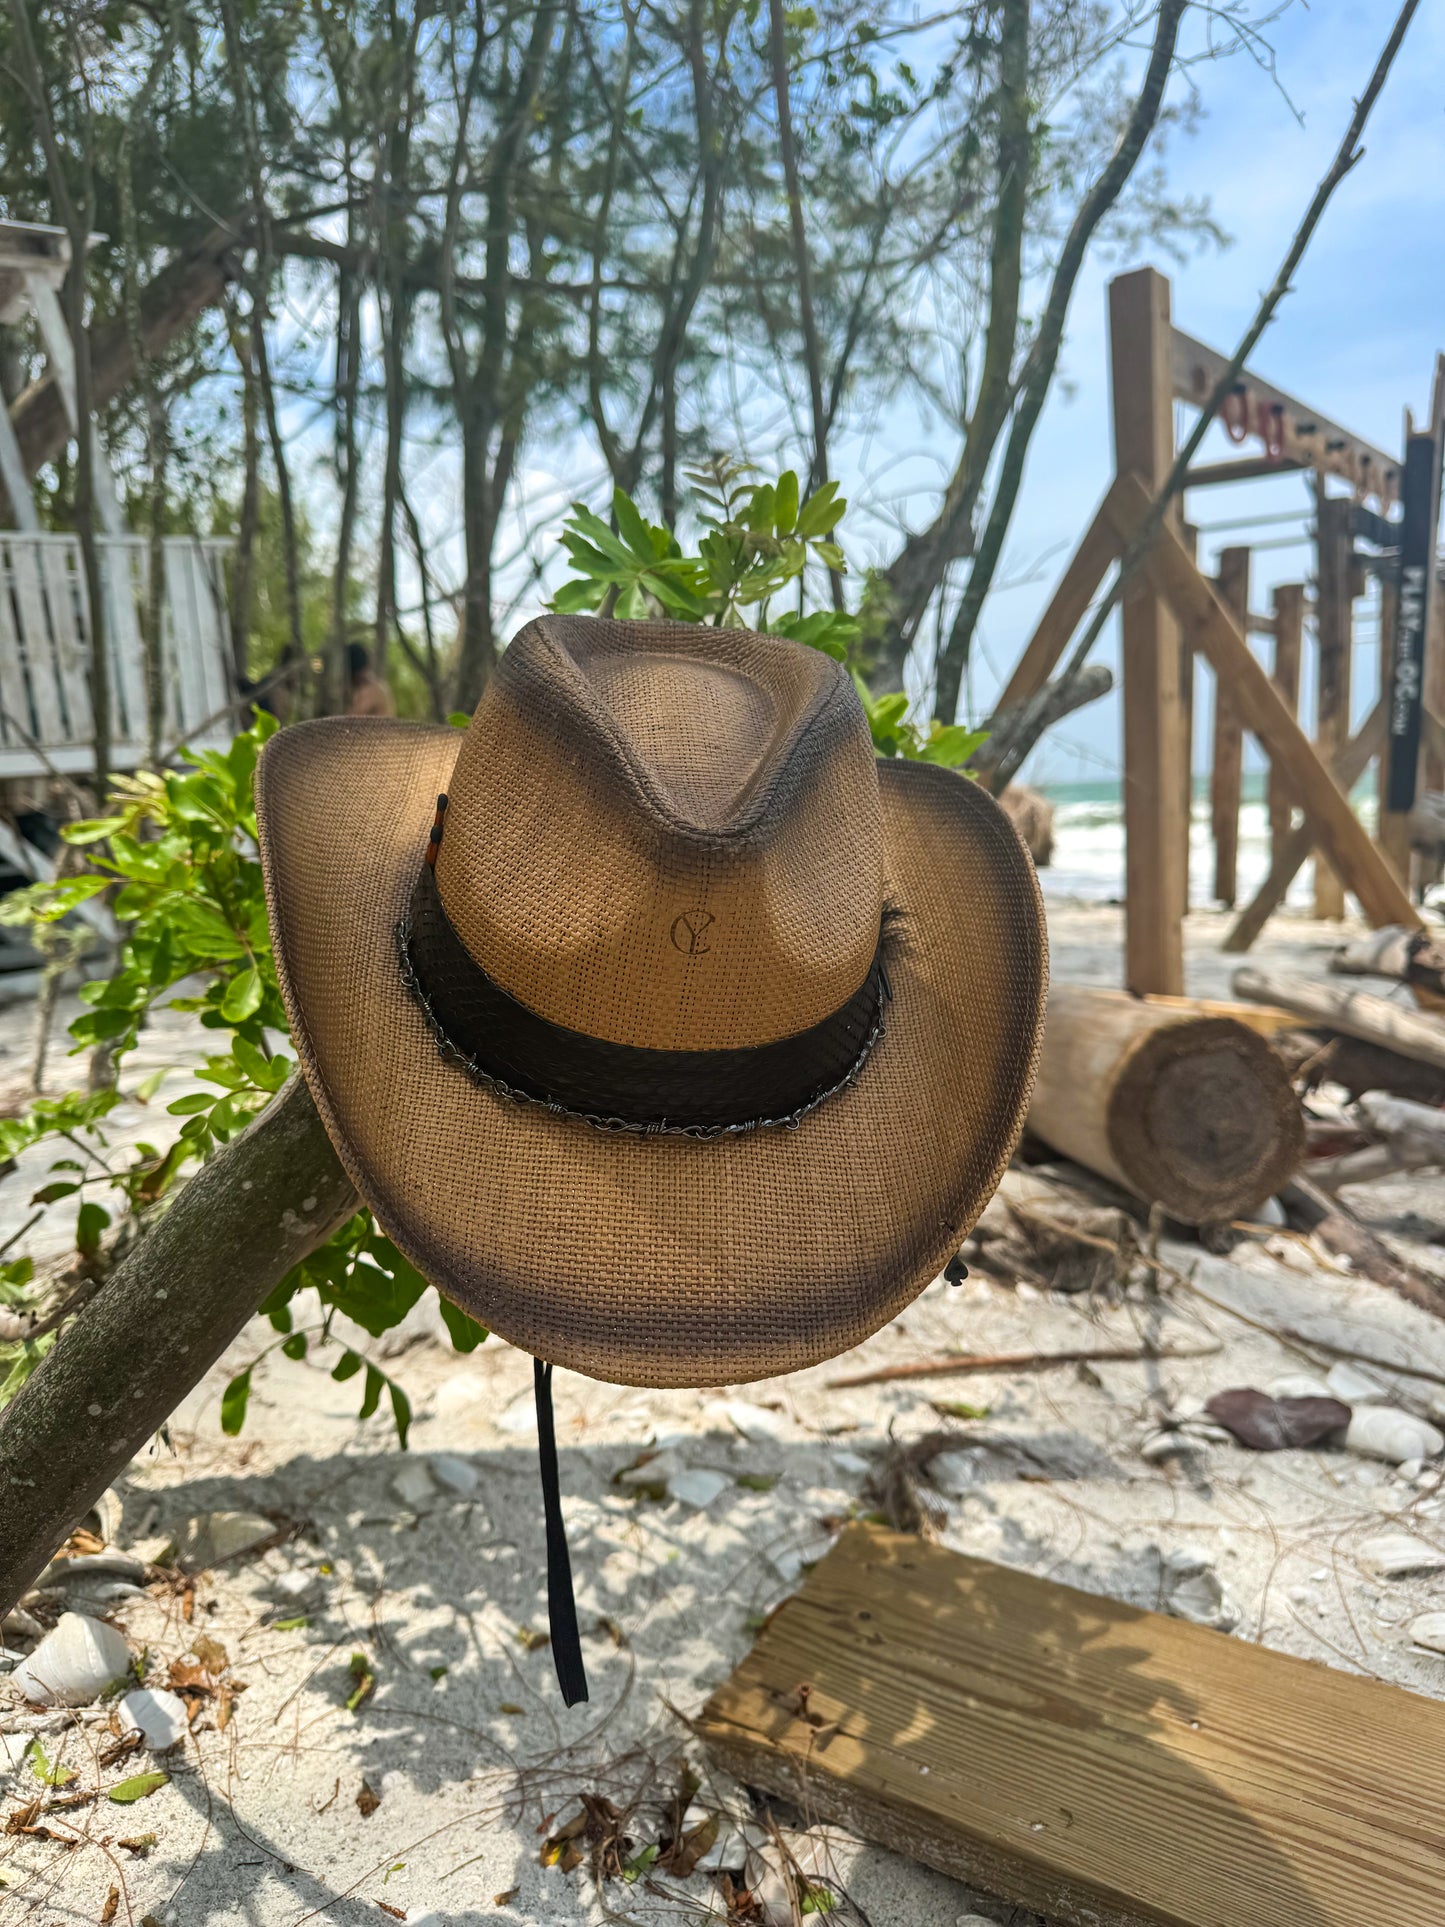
<point>1089,841</point>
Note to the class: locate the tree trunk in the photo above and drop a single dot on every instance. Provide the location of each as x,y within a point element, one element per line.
<point>160,1321</point>
<point>1190,1111</point>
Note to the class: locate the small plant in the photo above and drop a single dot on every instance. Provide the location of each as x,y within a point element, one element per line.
<point>759,542</point>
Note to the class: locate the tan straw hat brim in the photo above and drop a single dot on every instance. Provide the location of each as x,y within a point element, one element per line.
<point>656,1259</point>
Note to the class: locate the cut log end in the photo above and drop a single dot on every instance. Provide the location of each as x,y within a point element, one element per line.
<point>1204,1120</point>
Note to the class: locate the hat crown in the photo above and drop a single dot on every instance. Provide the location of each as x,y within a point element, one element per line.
<point>666,835</point>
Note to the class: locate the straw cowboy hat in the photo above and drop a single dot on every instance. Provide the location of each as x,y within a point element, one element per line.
<point>689,1045</point>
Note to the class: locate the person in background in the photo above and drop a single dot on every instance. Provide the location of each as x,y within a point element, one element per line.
<point>367,694</point>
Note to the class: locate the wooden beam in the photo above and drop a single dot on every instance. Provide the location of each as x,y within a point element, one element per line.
<point>1289,599</point>
<point>1334,619</point>
<point>1303,434</point>
<point>1244,468</point>
<point>1085,1760</point>
<point>1293,854</point>
<point>1218,637</point>
<point>1188,679</point>
<point>1155,827</point>
<point>1066,609</point>
<point>1227,771</point>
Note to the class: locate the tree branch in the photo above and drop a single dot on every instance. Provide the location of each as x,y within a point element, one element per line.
<point>160,1321</point>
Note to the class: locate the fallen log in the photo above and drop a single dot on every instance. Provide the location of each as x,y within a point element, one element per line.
<point>159,1322</point>
<point>1189,1111</point>
<point>1354,1013</point>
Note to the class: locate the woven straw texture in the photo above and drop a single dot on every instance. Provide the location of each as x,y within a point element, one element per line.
<point>736,788</point>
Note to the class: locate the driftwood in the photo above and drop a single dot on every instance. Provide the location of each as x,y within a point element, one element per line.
<point>1191,1111</point>
<point>1046,1233</point>
<point>160,1321</point>
<point>1408,956</point>
<point>952,1362</point>
<point>1354,1013</point>
<point>1341,1232</point>
<point>1032,816</point>
<point>1408,1137</point>
<point>1315,1058</point>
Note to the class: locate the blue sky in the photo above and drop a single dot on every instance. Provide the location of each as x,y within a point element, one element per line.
<point>1356,339</point>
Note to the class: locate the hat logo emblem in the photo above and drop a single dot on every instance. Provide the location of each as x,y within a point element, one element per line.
<point>689,932</point>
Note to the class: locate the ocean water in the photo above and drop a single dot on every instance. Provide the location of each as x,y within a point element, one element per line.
<point>1089,842</point>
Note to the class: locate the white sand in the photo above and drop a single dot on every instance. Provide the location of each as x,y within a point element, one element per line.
<point>260,1823</point>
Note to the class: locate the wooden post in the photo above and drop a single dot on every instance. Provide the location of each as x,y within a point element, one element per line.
<point>1219,638</point>
<point>1434,765</point>
<point>1227,772</point>
<point>1392,827</point>
<point>1335,616</point>
<point>1190,536</point>
<point>1289,616</point>
<point>1155,827</point>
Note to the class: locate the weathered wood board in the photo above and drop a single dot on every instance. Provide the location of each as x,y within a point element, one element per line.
<point>1104,1765</point>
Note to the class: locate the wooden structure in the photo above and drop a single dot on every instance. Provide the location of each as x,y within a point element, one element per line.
<point>46,721</point>
<point>1102,1765</point>
<point>1180,1105</point>
<point>1172,613</point>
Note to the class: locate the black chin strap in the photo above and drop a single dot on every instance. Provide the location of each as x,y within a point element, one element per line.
<point>561,1606</point>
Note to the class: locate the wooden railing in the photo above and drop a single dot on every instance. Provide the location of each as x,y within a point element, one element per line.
<point>46,719</point>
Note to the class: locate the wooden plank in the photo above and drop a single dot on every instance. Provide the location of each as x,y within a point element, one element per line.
<point>1336,828</point>
<point>17,720</point>
<point>1102,1765</point>
<point>1334,620</point>
<point>60,570</point>
<point>1289,610</point>
<point>1293,854</point>
<point>1245,468</point>
<point>189,684</point>
<point>1227,771</point>
<point>123,643</point>
<point>35,629</point>
<point>1155,827</point>
<point>1066,609</point>
<point>1305,435</point>
<point>1188,677</point>
<point>1435,623</point>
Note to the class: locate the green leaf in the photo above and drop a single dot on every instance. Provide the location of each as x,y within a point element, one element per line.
<point>951,745</point>
<point>631,527</point>
<point>822,511</point>
<point>191,1105</point>
<point>639,1864</point>
<point>459,719</point>
<point>291,1625</point>
<point>464,1331</point>
<point>140,1787</point>
<point>400,1411</point>
<point>371,1398</point>
<point>148,1086</point>
<point>295,1345</point>
<point>243,996</point>
<point>364,1681</point>
<point>43,1770</point>
<point>347,1366</point>
<point>785,503</point>
<point>234,1400</point>
<point>48,1193</point>
<point>90,1225</point>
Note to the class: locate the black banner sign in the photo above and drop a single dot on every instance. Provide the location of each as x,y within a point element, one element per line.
<point>1407,675</point>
